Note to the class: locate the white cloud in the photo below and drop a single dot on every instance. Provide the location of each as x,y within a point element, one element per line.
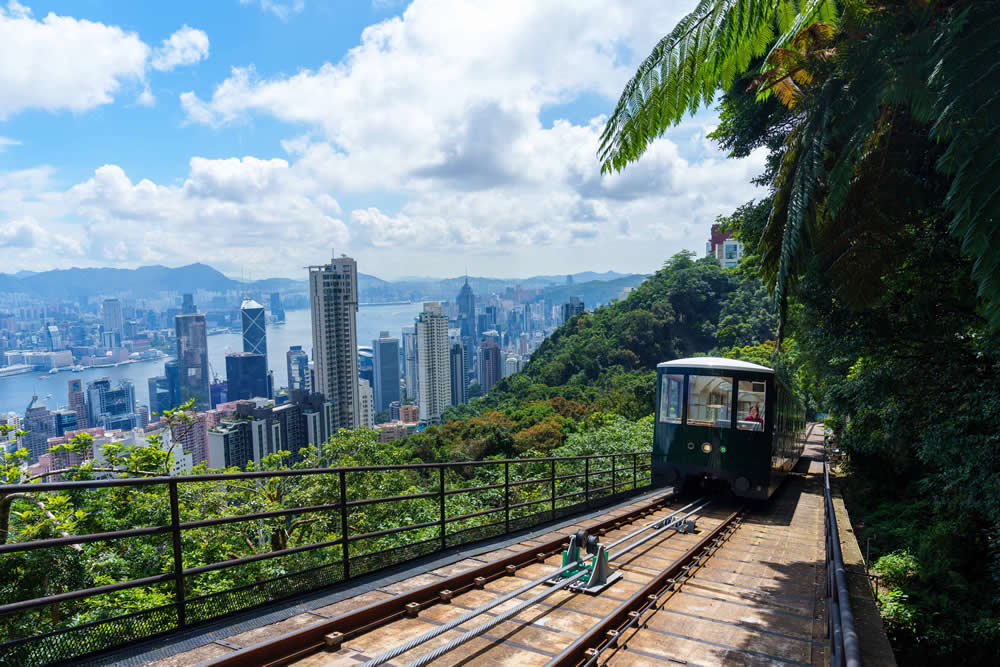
<point>280,9</point>
<point>185,47</point>
<point>5,142</point>
<point>61,62</point>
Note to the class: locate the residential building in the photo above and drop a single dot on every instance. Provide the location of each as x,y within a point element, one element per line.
<point>367,398</point>
<point>458,373</point>
<point>409,414</point>
<point>512,364</point>
<point>254,328</point>
<point>724,247</point>
<point>386,359</point>
<point>366,364</point>
<point>192,360</point>
<point>298,369</point>
<point>410,356</point>
<point>333,295</point>
<point>394,411</point>
<point>489,364</point>
<point>246,376</point>
<point>218,392</point>
<point>434,365</point>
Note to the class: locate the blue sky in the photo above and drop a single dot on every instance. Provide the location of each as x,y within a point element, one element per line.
<point>254,135</point>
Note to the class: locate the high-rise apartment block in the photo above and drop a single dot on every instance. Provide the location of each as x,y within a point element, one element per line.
<point>367,403</point>
<point>572,309</point>
<point>410,368</point>
<point>434,364</point>
<point>254,327</point>
<point>333,296</point>
<point>192,360</point>
<point>40,426</point>
<point>386,369</point>
<point>298,369</point>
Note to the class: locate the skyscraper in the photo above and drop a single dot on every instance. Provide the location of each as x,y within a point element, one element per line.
<point>40,426</point>
<point>298,369</point>
<point>410,356</point>
<point>434,365</point>
<point>572,309</point>
<point>386,370</point>
<point>187,305</point>
<point>489,364</point>
<point>277,310</point>
<point>159,394</point>
<point>333,297</point>
<point>55,338</point>
<point>114,321</point>
<point>466,303</point>
<point>192,360</point>
<point>172,372</point>
<point>111,407</point>
<point>366,364</point>
<point>246,376</point>
<point>77,403</point>
<point>254,327</point>
<point>458,374</point>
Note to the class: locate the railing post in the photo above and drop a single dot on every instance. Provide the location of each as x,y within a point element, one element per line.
<point>614,474</point>
<point>346,546</point>
<point>586,481</point>
<point>444,522</point>
<point>506,497</point>
<point>553,470</point>
<point>635,471</point>
<point>175,525</point>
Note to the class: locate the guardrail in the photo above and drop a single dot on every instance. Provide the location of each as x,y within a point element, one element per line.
<point>544,495</point>
<point>845,649</point>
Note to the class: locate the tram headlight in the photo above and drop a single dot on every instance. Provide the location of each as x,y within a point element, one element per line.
<point>706,447</point>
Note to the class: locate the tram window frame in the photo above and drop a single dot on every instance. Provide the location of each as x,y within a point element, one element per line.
<point>725,418</point>
<point>743,424</point>
<point>666,379</point>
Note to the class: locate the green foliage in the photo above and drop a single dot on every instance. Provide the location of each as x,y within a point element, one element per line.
<point>705,51</point>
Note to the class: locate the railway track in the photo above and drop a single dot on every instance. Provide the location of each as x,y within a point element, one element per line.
<point>509,611</point>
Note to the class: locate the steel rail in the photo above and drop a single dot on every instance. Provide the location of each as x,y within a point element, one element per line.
<point>353,623</point>
<point>405,647</point>
<point>577,652</point>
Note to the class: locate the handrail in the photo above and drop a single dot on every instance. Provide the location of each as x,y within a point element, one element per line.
<point>629,472</point>
<point>844,645</point>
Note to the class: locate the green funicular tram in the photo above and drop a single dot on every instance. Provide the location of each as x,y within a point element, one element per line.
<point>725,423</point>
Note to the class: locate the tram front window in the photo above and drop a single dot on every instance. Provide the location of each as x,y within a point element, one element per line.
<point>670,398</point>
<point>750,405</point>
<point>710,399</point>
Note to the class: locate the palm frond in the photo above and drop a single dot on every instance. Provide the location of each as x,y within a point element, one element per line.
<point>707,50</point>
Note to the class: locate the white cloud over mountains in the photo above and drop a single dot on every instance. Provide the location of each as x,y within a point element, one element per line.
<point>435,127</point>
<point>63,63</point>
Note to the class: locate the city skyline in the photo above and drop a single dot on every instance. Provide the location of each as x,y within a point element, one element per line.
<point>491,154</point>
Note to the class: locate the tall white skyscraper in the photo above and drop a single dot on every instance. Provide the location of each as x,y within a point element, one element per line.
<point>114,322</point>
<point>434,363</point>
<point>333,298</point>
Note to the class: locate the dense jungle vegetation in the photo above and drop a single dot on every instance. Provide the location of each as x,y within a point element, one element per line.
<point>878,238</point>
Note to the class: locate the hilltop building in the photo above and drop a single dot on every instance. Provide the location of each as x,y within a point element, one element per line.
<point>573,308</point>
<point>723,247</point>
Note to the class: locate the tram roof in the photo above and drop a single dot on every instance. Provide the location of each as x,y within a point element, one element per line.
<point>715,363</point>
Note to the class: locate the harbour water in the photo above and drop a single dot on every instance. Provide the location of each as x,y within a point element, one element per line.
<point>16,390</point>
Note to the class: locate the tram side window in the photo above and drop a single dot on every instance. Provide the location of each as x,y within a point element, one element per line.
<point>751,405</point>
<point>710,399</point>
<point>670,398</point>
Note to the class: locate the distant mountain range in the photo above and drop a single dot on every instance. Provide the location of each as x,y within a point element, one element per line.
<point>157,281</point>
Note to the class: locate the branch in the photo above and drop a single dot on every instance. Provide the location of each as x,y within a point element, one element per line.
<point>65,470</point>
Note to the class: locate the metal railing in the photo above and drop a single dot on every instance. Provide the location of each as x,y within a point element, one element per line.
<point>845,649</point>
<point>553,487</point>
